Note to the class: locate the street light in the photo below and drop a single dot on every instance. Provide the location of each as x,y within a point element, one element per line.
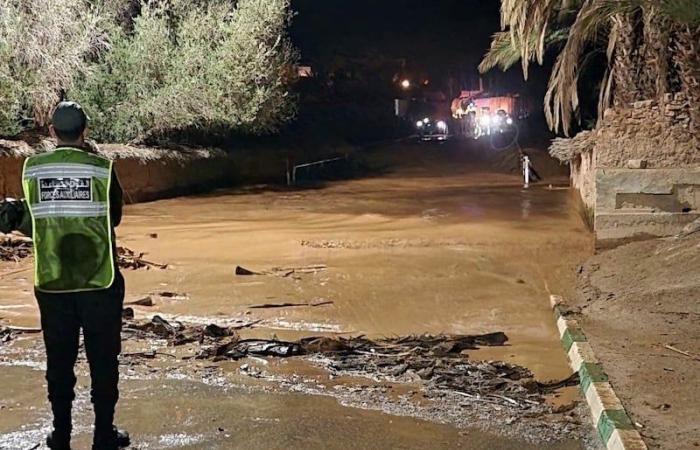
<point>406,84</point>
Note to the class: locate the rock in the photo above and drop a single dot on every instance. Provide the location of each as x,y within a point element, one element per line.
<point>128,313</point>
<point>642,104</point>
<point>146,301</point>
<point>243,271</point>
<point>637,164</point>
<point>692,227</point>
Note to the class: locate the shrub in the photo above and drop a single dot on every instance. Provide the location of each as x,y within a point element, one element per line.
<point>147,68</point>
<point>43,48</point>
<point>214,67</point>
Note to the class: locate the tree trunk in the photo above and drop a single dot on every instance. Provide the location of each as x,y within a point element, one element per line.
<point>625,62</point>
<point>654,58</point>
<point>687,55</point>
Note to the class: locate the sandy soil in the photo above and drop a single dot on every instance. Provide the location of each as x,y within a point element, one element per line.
<point>634,301</point>
<point>434,242</point>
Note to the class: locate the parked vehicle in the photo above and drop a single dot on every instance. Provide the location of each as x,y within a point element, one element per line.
<point>432,130</point>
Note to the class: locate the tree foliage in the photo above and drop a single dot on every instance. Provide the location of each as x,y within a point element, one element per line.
<point>639,37</point>
<point>146,68</point>
<point>43,48</point>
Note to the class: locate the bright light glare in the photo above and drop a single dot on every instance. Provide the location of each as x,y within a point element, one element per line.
<point>442,125</point>
<point>509,121</point>
<point>419,123</point>
<point>494,120</point>
<point>484,120</point>
<point>406,84</point>
<point>426,120</point>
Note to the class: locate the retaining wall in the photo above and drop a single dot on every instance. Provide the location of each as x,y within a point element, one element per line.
<point>149,174</point>
<point>633,204</point>
<point>637,172</point>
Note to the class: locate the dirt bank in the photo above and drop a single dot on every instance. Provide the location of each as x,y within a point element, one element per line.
<point>152,173</point>
<point>638,303</point>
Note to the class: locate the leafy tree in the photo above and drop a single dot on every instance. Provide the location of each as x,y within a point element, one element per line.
<point>146,68</point>
<point>651,48</point>
<point>215,66</point>
<point>43,48</point>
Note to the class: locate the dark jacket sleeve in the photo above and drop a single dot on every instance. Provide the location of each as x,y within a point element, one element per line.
<point>14,216</point>
<point>116,199</point>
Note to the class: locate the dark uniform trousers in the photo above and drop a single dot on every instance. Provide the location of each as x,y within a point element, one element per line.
<point>99,314</point>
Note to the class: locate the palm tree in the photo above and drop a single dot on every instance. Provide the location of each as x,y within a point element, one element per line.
<point>652,47</point>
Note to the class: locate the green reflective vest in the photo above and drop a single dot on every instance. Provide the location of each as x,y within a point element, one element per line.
<point>67,191</point>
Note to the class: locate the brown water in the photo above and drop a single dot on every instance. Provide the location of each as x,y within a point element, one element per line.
<point>437,246</point>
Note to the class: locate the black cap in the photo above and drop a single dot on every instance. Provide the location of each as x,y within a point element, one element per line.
<point>69,117</point>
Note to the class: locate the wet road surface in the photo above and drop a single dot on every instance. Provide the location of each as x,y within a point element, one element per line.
<point>437,245</point>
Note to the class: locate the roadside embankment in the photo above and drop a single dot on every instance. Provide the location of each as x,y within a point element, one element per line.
<point>639,305</point>
<point>148,173</point>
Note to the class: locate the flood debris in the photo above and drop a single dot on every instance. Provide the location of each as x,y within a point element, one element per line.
<point>177,333</point>
<point>282,272</point>
<point>128,313</point>
<point>291,305</point>
<point>236,349</point>
<point>242,271</point>
<point>129,259</point>
<point>681,352</point>
<point>177,296</point>
<point>145,301</point>
<point>440,363</point>
<point>14,249</point>
<point>9,333</point>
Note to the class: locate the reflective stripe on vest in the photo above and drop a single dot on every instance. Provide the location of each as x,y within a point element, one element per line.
<point>66,170</point>
<point>70,209</point>
<point>67,191</point>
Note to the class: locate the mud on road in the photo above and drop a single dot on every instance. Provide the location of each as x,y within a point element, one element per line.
<point>442,245</point>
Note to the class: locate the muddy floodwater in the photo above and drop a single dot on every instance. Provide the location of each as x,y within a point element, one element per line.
<point>440,245</point>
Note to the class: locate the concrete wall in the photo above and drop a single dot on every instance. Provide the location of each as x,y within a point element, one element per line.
<point>634,204</point>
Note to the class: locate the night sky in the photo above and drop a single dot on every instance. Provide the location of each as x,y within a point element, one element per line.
<point>440,38</point>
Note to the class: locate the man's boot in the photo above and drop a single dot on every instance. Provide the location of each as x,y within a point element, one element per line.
<point>59,438</point>
<point>113,439</point>
<point>58,441</point>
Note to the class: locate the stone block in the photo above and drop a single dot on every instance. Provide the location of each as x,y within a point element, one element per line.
<point>637,164</point>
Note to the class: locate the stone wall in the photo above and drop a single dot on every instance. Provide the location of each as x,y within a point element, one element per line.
<point>638,171</point>
<point>660,134</point>
<point>583,178</point>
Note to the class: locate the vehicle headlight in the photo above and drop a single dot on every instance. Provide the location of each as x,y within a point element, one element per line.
<point>426,120</point>
<point>442,125</point>
<point>419,124</point>
<point>509,121</point>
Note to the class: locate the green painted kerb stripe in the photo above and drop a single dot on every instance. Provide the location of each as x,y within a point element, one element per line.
<point>570,336</point>
<point>557,311</point>
<point>611,419</point>
<point>590,373</point>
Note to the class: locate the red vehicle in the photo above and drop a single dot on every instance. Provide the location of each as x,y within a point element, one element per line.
<point>481,114</point>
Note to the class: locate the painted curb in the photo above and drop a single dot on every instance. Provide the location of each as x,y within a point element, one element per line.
<point>610,419</point>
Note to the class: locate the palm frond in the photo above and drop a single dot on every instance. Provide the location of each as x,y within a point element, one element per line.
<point>561,100</point>
<point>506,51</point>
<point>684,12</point>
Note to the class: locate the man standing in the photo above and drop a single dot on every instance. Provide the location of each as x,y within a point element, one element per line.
<point>72,203</point>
